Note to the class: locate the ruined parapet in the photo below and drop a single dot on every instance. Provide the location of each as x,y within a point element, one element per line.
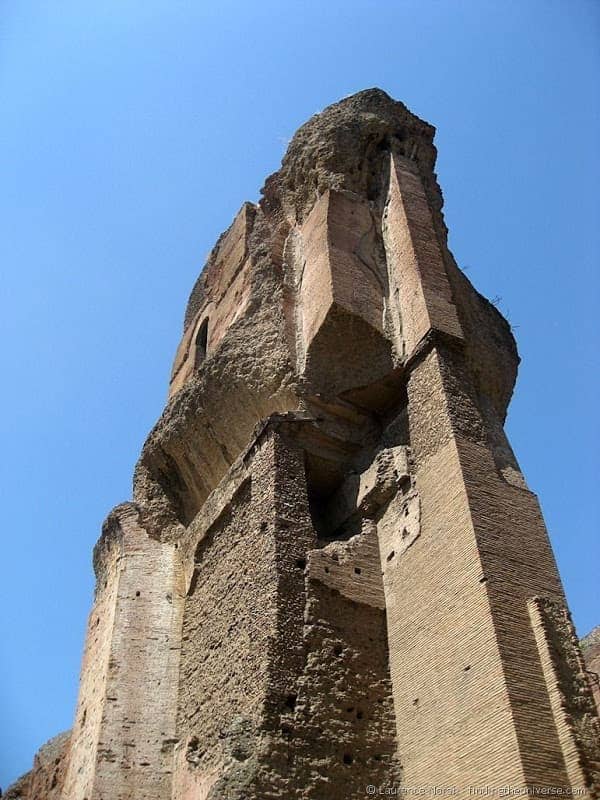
<point>333,574</point>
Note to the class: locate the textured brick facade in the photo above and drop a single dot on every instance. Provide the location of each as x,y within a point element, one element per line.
<point>333,575</point>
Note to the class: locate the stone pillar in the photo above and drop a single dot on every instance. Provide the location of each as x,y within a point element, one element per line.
<point>124,730</point>
<point>472,698</point>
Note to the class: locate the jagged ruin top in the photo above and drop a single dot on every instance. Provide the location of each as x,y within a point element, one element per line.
<point>345,147</point>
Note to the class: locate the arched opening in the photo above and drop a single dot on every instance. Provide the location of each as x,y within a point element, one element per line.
<point>201,342</point>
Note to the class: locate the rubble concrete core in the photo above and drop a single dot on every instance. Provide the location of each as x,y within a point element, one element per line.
<point>331,574</point>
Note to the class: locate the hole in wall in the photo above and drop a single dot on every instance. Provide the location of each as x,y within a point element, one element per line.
<point>390,556</point>
<point>404,484</point>
<point>357,570</point>
<point>323,477</point>
<point>348,759</point>
<point>138,593</point>
<point>290,701</point>
<point>301,563</point>
<point>200,343</point>
<point>193,751</point>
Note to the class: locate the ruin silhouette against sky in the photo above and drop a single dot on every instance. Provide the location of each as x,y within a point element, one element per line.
<point>131,137</point>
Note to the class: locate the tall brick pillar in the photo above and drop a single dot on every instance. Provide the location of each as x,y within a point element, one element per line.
<point>477,694</point>
<point>124,731</point>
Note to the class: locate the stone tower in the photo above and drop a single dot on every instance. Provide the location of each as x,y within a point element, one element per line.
<point>332,575</point>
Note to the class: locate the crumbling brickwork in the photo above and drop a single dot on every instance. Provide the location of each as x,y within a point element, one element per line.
<point>590,646</point>
<point>332,575</point>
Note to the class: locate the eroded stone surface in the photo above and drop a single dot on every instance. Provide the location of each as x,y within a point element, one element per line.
<point>333,574</point>
<point>590,646</point>
<point>47,776</point>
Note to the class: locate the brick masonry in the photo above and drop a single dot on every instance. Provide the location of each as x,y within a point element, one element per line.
<point>332,574</point>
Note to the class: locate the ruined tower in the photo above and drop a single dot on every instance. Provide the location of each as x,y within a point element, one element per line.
<point>332,575</point>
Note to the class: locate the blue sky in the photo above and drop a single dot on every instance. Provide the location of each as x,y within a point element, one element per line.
<point>131,132</point>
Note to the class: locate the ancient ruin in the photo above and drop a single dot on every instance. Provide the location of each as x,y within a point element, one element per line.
<point>332,579</point>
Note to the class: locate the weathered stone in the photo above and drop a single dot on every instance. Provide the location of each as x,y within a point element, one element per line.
<point>47,776</point>
<point>590,646</point>
<point>333,574</point>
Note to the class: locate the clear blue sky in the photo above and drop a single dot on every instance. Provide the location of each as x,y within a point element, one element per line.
<point>130,134</point>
